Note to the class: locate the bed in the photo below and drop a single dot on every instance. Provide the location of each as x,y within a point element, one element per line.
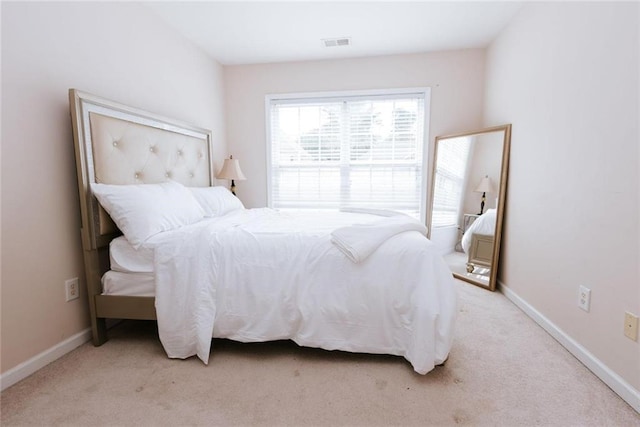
<point>477,241</point>
<point>189,255</point>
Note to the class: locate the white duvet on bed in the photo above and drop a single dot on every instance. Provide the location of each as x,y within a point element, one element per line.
<point>261,275</point>
<point>485,224</point>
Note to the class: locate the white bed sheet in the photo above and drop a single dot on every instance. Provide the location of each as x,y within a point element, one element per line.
<point>260,275</point>
<point>128,284</point>
<point>485,224</point>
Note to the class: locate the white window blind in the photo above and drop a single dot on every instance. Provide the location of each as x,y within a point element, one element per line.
<point>347,152</point>
<point>450,175</point>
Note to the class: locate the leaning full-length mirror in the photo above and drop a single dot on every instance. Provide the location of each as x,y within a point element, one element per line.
<point>466,204</point>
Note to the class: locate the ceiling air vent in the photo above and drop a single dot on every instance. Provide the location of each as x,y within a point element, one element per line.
<point>342,41</point>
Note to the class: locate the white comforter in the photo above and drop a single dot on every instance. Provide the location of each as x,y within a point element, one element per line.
<point>485,224</point>
<point>261,275</point>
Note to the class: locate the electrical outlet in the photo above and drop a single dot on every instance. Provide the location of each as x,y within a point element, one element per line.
<point>631,326</point>
<point>71,288</point>
<point>584,298</point>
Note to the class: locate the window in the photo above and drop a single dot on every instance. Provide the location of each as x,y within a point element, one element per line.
<point>449,181</point>
<point>337,152</point>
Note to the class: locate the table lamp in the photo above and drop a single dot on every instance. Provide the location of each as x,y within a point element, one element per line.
<point>231,170</point>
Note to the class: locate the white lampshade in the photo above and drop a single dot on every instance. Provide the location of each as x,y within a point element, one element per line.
<point>485,186</point>
<point>231,170</point>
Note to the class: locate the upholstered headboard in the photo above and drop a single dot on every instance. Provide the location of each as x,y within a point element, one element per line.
<point>116,144</point>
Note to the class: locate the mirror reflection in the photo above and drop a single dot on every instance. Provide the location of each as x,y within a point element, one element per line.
<point>466,205</point>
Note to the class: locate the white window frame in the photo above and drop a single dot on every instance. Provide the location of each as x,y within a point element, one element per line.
<point>424,92</point>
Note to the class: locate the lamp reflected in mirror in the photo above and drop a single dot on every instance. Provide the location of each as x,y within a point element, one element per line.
<point>466,164</point>
<point>485,186</point>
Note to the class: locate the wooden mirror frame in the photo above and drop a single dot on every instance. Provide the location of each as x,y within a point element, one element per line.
<point>506,129</point>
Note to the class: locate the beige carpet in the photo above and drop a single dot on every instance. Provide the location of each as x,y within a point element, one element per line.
<point>503,370</point>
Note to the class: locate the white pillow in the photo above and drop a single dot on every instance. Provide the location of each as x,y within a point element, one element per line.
<point>216,201</point>
<point>140,211</point>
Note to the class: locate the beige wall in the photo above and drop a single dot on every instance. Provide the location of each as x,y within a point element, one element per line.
<point>486,159</point>
<point>456,80</point>
<point>117,50</point>
<point>566,75</point>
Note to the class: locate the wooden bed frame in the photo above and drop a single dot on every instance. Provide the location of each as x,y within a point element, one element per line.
<point>157,149</point>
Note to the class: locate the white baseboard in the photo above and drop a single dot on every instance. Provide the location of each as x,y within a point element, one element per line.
<point>610,378</point>
<point>39,361</point>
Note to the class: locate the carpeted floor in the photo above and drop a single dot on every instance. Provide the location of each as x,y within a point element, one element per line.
<point>503,370</point>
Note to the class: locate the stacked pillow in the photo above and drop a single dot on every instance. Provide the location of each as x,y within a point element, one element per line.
<point>216,201</point>
<point>143,210</point>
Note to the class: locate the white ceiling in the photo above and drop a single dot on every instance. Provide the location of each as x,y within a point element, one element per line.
<point>239,32</point>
